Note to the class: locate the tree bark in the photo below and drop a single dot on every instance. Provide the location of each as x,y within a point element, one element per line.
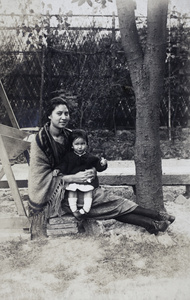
<point>147,74</point>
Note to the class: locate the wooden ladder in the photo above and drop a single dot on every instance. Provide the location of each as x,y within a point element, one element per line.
<point>12,144</point>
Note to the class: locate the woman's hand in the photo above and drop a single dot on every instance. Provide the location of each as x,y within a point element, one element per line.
<point>90,174</point>
<point>81,177</point>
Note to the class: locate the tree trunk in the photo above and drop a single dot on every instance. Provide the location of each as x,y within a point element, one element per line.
<point>147,74</point>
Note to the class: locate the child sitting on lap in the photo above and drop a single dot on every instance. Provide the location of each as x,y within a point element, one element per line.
<point>80,160</point>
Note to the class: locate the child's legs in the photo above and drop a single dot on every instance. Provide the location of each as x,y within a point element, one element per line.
<point>87,201</point>
<point>72,199</point>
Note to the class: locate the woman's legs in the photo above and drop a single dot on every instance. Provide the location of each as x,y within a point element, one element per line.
<point>146,218</point>
<point>152,214</point>
<point>159,216</point>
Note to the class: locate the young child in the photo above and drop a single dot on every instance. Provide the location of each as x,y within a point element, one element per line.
<point>80,160</point>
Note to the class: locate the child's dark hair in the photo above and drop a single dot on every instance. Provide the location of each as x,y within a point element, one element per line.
<point>79,133</point>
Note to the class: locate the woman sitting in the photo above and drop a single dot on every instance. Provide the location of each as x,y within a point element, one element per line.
<point>46,184</point>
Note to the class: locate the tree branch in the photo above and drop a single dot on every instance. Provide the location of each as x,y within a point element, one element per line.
<point>129,33</point>
<point>156,30</point>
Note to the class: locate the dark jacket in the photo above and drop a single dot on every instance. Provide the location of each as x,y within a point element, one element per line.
<point>74,163</point>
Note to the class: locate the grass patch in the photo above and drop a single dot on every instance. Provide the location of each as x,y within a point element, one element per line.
<point>127,259</point>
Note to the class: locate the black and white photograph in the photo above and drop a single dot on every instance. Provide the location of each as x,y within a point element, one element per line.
<point>94,149</point>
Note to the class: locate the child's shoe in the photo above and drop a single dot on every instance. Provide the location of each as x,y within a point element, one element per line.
<point>78,215</point>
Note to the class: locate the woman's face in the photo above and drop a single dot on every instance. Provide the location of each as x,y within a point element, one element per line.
<point>60,116</point>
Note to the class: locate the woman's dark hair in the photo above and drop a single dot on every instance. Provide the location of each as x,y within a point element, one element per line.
<point>79,133</point>
<point>55,102</point>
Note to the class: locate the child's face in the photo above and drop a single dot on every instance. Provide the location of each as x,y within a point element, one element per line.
<point>79,145</point>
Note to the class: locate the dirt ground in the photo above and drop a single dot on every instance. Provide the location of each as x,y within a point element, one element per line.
<point>124,262</point>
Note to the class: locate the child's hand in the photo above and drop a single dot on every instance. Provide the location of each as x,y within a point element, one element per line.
<point>103,161</point>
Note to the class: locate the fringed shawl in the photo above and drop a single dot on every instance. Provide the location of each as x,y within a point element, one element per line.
<point>45,183</point>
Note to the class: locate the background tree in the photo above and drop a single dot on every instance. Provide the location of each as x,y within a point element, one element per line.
<point>147,76</point>
<point>146,66</point>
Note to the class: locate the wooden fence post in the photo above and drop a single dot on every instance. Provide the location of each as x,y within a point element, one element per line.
<point>42,85</point>
<point>113,41</point>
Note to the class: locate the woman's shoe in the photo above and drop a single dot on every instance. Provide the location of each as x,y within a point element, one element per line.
<point>164,216</point>
<point>157,226</point>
